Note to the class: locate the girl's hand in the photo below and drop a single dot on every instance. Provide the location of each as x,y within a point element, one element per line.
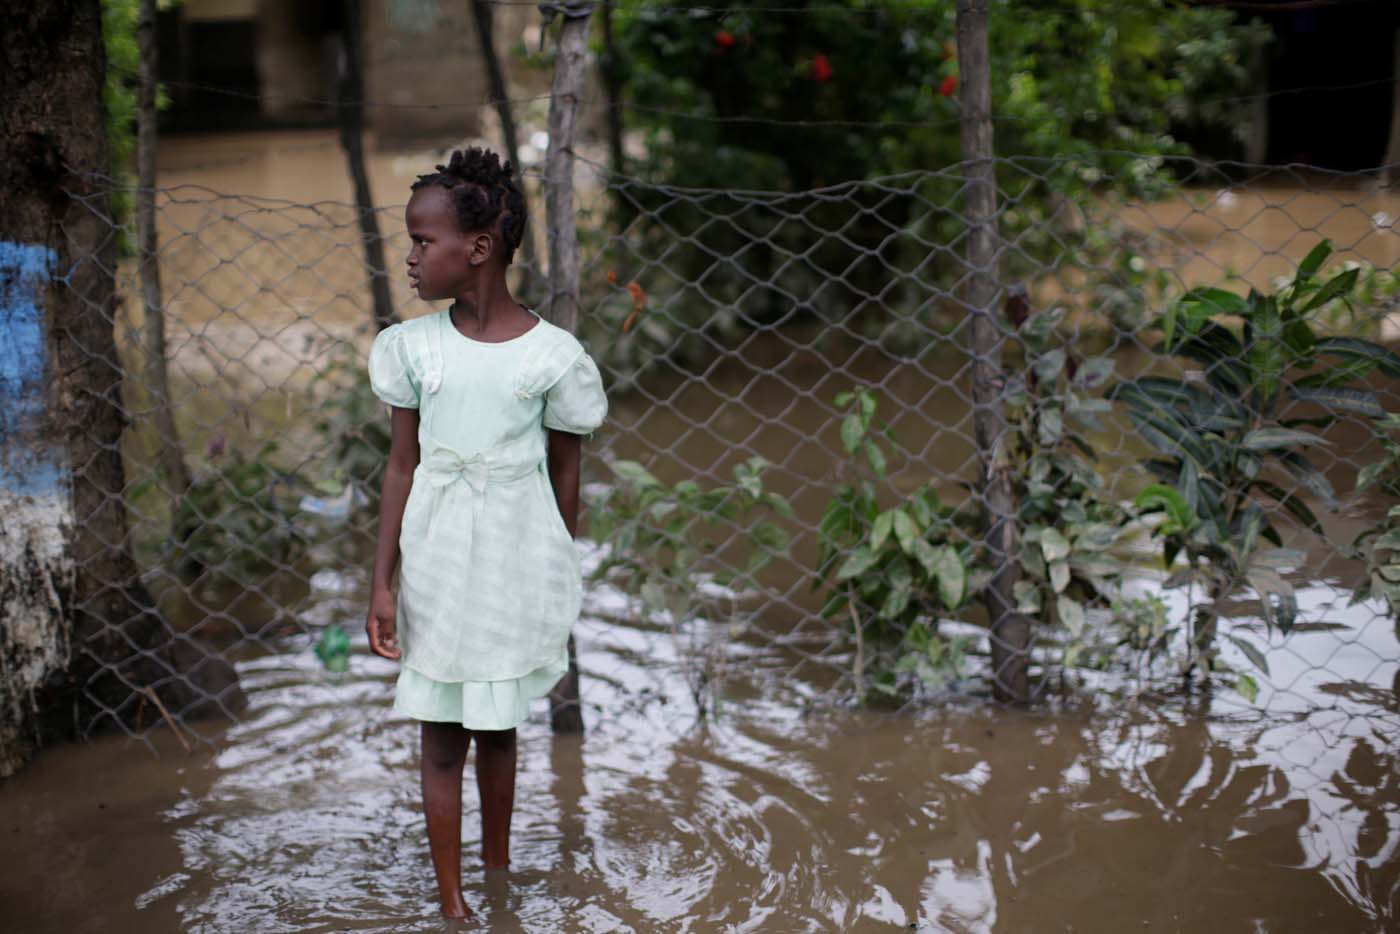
<point>383,641</point>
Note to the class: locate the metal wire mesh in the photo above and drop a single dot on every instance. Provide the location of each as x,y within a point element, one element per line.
<point>727,324</point>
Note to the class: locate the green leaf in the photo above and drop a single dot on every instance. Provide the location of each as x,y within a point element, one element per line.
<point>859,561</point>
<point>896,602</point>
<point>905,531</point>
<point>876,458</point>
<point>1265,350</point>
<point>1159,496</point>
<point>844,398</point>
<point>852,431</point>
<point>1053,545</point>
<point>1313,261</point>
<point>1027,596</point>
<point>1358,401</point>
<point>1059,576</point>
<point>952,577</point>
<point>1293,503</point>
<point>1270,439</point>
<point>880,531</point>
<point>1093,372</point>
<point>1251,652</point>
<point>1339,285</point>
<point>633,473</point>
<point>1247,687</point>
<point>867,407</point>
<point>1353,348</point>
<point>1071,615</point>
<point>1315,480</point>
<point>1049,364</point>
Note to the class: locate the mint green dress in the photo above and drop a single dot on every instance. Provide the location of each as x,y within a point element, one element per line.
<point>489,577</point>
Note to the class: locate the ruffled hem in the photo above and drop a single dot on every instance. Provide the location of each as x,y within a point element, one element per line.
<point>477,705</point>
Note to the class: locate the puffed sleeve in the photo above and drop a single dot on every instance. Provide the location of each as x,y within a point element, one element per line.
<point>576,402</point>
<point>390,375</point>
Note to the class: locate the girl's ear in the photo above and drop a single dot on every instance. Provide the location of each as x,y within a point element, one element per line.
<point>480,246</point>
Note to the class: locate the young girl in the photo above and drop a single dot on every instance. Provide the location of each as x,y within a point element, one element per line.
<point>480,501</point>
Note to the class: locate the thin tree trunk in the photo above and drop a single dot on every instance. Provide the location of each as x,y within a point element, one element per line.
<point>565,711</point>
<point>1010,631</point>
<point>500,97</point>
<point>1391,160</point>
<point>92,639</point>
<point>169,454</point>
<point>352,125</point>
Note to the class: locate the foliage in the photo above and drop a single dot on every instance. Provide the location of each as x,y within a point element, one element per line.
<point>743,100</point>
<point>1068,527</point>
<point>119,21</point>
<point>656,551</point>
<point>238,513</point>
<point>354,430</point>
<point>1229,442</point>
<point>1078,78</point>
<point>1379,545</point>
<point>891,573</point>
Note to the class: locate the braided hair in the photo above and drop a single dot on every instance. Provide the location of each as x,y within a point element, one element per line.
<point>484,193</point>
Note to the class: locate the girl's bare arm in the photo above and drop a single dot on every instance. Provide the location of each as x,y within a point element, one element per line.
<point>398,481</point>
<point>565,451</point>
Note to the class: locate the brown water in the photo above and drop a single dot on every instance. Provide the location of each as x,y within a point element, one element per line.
<point>775,816</point>
<point>782,813</point>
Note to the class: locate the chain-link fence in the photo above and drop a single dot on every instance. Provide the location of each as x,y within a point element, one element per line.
<point>790,496</point>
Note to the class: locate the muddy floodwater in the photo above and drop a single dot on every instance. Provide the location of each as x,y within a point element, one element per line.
<point>786,811</point>
<point>776,816</point>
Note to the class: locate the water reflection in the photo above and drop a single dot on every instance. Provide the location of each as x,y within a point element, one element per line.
<point>767,820</point>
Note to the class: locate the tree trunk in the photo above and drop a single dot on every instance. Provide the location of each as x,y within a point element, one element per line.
<point>496,81</point>
<point>352,127</point>
<point>1010,635</point>
<point>565,710</point>
<point>88,636</point>
<point>1391,160</point>
<point>169,455</point>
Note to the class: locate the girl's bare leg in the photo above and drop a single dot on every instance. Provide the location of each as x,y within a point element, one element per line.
<point>495,782</point>
<point>444,757</point>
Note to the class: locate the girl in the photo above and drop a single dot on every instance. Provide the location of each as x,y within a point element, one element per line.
<point>480,501</point>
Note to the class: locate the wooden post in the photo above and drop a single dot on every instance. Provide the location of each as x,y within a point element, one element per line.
<point>1010,631</point>
<point>1391,159</point>
<point>352,122</point>
<point>500,97</point>
<point>169,455</point>
<point>565,711</point>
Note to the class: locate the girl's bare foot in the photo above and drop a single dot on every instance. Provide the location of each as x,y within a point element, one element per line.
<point>456,908</point>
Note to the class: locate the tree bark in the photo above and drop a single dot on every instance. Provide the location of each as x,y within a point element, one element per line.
<point>169,454</point>
<point>1391,160</point>
<point>510,138</point>
<point>352,128</point>
<point>565,710</point>
<point>95,638</point>
<point>1010,631</point>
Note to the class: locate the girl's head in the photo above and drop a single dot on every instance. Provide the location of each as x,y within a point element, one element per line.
<point>465,220</point>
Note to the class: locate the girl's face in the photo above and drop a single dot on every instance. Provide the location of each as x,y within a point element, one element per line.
<point>443,261</point>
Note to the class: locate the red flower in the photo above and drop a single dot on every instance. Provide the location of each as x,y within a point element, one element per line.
<point>724,39</point>
<point>949,85</point>
<point>821,69</point>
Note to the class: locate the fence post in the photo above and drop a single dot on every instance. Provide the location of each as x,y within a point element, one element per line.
<point>500,96</point>
<point>565,711</point>
<point>170,456</point>
<point>351,118</point>
<point>1010,631</point>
